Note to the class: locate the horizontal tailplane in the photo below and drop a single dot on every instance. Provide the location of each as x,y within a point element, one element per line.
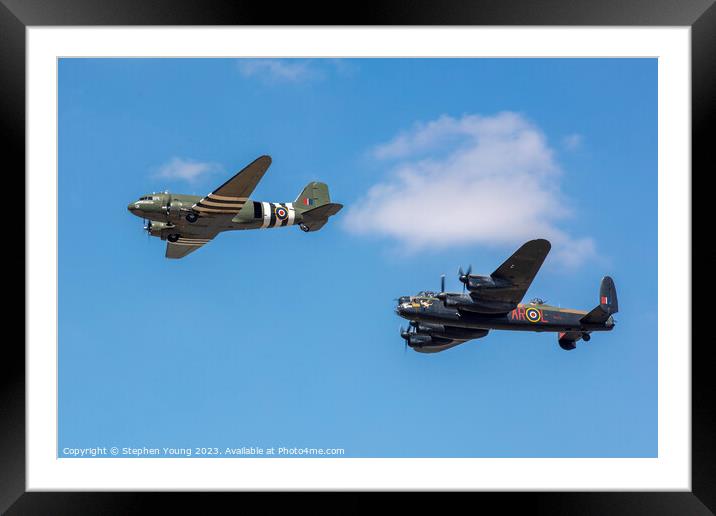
<point>315,218</point>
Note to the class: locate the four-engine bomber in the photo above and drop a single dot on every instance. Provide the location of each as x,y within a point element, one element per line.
<point>439,321</point>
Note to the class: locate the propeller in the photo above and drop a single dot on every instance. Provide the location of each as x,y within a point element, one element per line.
<point>147,227</point>
<point>405,334</point>
<point>464,276</point>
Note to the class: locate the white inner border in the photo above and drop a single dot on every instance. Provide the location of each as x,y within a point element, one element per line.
<point>670,471</point>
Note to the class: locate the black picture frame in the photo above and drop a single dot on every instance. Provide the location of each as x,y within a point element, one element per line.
<point>16,15</point>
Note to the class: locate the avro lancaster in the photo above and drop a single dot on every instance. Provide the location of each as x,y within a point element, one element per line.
<point>439,321</point>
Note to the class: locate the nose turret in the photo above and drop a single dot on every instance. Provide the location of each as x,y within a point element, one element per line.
<point>404,309</point>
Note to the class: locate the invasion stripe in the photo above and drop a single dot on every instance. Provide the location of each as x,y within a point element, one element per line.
<point>211,202</point>
<point>267,214</point>
<point>291,213</point>
<point>216,210</point>
<point>226,197</point>
<point>272,223</point>
<point>188,244</point>
<point>235,207</point>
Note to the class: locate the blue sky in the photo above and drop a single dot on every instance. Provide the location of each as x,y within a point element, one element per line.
<point>280,338</point>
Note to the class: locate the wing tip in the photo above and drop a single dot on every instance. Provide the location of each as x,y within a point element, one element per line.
<point>542,242</point>
<point>541,245</point>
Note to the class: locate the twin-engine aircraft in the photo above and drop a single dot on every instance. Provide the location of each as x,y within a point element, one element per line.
<point>439,321</point>
<point>188,222</point>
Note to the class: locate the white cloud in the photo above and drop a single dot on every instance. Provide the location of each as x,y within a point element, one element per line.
<point>186,169</point>
<point>489,180</point>
<point>291,70</point>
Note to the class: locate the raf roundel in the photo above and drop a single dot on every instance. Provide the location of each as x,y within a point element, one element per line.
<point>533,315</point>
<point>281,213</point>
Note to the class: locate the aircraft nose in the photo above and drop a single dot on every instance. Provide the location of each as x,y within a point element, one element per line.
<point>132,207</point>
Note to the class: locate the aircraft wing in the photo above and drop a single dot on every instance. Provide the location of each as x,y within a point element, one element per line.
<point>517,272</point>
<point>448,342</point>
<point>184,246</point>
<point>230,197</point>
<point>436,349</point>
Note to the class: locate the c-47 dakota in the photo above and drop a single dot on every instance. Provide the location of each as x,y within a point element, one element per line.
<point>187,222</point>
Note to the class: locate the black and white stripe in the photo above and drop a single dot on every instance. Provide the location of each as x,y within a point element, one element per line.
<point>270,220</point>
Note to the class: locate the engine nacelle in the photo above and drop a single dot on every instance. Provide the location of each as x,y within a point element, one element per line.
<point>469,304</point>
<point>428,328</point>
<point>155,228</point>
<point>487,307</point>
<point>175,208</point>
<point>418,340</point>
<point>476,283</point>
<point>452,300</point>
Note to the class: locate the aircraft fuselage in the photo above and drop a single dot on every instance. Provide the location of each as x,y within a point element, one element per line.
<point>525,317</point>
<point>171,211</point>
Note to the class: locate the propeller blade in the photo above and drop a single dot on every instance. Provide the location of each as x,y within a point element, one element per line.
<point>442,283</point>
<point>464,276</point>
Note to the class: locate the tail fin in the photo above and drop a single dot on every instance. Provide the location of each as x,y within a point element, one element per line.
<point>608,296</point>
<point>313,195</point>
<point>608,303</point>
<point>314,206</point>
